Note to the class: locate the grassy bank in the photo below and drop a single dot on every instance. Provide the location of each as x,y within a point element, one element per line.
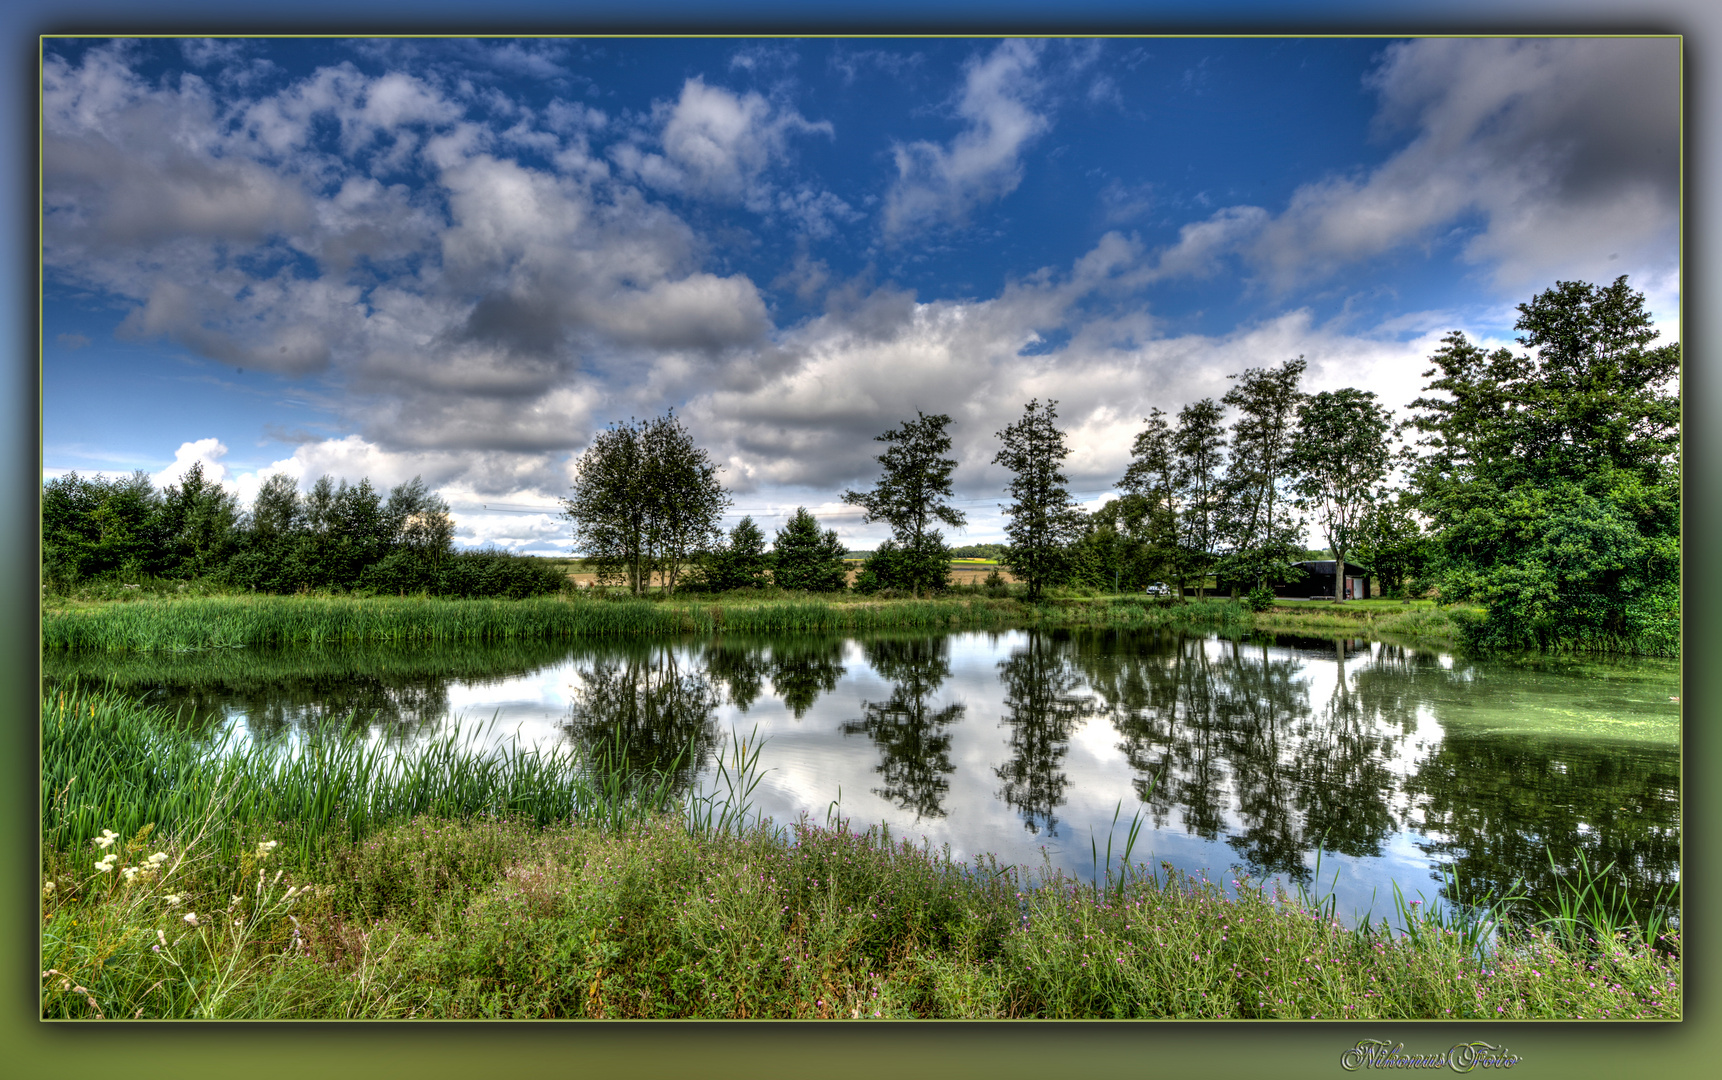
<point>238,621</point>
<point>317,881</point>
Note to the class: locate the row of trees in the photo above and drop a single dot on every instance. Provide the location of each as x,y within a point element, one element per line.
<point>1541,484</point>
<point>340,536</point>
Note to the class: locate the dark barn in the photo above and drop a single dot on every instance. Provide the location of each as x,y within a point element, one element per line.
<point>1313,580</point>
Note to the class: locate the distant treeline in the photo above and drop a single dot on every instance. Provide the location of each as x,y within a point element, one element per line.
<point>347,537</point>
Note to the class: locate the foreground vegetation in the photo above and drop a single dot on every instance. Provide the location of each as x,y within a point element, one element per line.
<point>172,623</point>
<point>324,881</point>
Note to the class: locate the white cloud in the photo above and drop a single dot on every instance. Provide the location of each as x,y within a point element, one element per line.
<point>718,145</point>
<point>207,452</point>
<point>984,161</point>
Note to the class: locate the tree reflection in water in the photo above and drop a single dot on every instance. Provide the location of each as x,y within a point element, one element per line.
<point>1045,702</point>
<point>798,669</point>
<point>661,708</point>
<point>912,737</point>
<point>1227,729</point>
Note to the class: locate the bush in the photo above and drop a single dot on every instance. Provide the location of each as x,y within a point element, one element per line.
<point>1260,598</point>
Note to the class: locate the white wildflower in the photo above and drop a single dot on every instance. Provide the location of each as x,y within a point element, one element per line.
<point>158,858</point>
<point>48,889</point>
<point>128,873</point>
<point>106,863</point>
<point>107,838</point>
<point>191,918</point>
<point>172,899</point>
<point>264,848</point>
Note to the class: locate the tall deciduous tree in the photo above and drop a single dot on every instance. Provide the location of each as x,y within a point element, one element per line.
<point>645,499</point>
<point>1342,457</point>
<point>687,501</point>
<point>1259,530</point>
<point>807,559</point>
<point>1551,477</point>
<point>911,494</point>
<point>1043,519</point>
<point>1153,478</point>
<point>1198,448</point>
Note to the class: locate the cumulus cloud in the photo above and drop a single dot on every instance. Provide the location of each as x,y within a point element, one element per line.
<point>718,145</point>
<point>942,183</point>
<point>205,452</point>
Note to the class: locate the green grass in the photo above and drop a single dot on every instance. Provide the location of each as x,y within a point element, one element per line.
<point>236,622</point>
<point>207,623</point>
<point>492,918</point>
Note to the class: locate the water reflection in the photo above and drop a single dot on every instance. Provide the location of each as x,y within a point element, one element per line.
<point>912,736</point>
<point>1045,700</point>
<point>1401,764</point>
<point>654,704</point>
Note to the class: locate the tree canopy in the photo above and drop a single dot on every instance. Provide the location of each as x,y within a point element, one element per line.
<point>1342,458</point>
<point>1550,477</point>
<point>645,500</point>
<point>911,494</point>
<point>807,559</point>
<point>1043,520</point>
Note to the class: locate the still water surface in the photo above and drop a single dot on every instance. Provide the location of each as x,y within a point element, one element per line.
<point>1397,764</point>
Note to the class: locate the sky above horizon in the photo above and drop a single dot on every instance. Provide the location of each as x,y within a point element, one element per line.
<point>460,259</point>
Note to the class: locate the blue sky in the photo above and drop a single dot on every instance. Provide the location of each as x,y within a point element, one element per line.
<point>459,259</point>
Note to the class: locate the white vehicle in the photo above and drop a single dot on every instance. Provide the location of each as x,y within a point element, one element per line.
<point>1158,589</point>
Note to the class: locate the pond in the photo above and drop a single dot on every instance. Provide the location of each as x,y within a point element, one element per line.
<point>1390,764</point>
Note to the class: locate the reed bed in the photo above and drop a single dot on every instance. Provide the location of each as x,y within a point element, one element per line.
<point>238,622</point>
<point>111,764</point>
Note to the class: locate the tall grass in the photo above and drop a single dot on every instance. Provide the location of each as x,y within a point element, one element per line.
<point>236,622</point>
<point>109,763</point>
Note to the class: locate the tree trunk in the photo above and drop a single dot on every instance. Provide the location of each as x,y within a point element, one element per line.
<point>1339,577</point>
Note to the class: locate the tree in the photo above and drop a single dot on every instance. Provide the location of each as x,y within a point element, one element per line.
<point>1256,524</point>
<point>645,499</point>
<point>1392,543</point>
<point>1153,478</point>
<point>1576,440</point>
<point>1198,446</point>
<point>687,502</point>
<point>910,495</point>
<point>741,562</point>
<point>1341,456</point>
<point>418,521</point>
<point>1044,520</point>
<point>805,559</point>
<point>199,519</point>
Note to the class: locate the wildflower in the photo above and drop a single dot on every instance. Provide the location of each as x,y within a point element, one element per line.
<point>158,858</point>
<point>191,918</point>
<point>48,889</point>
<point>107,838</point>
<point>128,873</point>
<point>265,847</point>
<point>105,864</point>
<point>172,899</point>
<point>161,936</point>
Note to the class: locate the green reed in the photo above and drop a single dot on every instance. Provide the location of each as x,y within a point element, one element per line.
<point>239,622</point>
<point>109,763</point>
